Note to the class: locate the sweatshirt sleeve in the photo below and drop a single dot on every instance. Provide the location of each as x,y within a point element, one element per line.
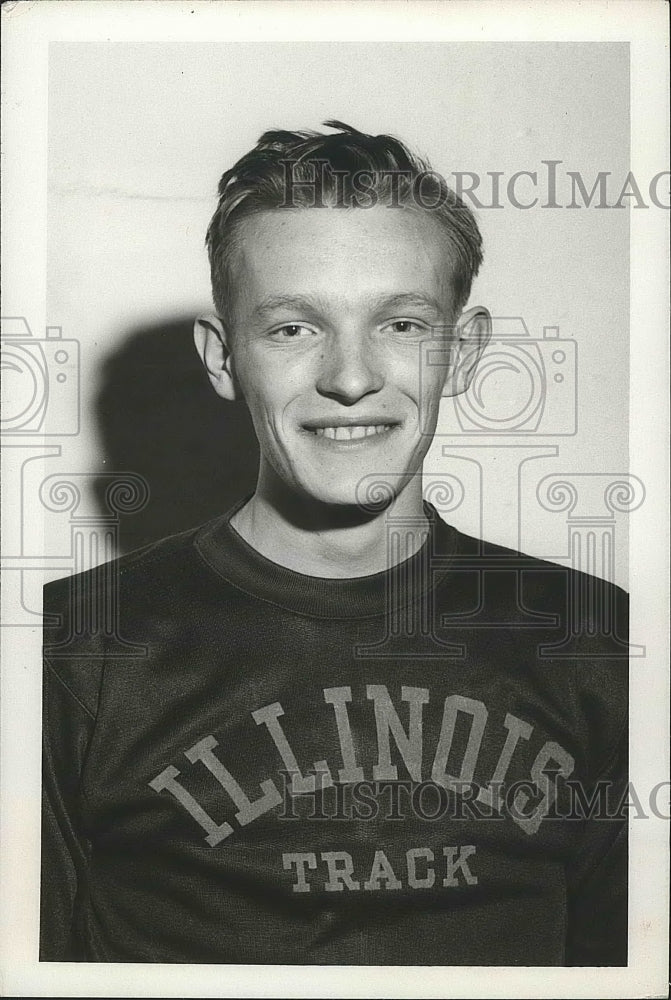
<point>67,727</point>
<point>597,878</point>
<point>597,928</point>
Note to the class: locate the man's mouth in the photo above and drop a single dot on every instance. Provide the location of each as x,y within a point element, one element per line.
<point>351,432</point>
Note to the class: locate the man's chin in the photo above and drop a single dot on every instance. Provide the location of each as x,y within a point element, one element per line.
<point>369,495</point>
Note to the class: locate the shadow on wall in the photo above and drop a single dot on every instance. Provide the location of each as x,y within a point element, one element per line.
<point>159,417</point>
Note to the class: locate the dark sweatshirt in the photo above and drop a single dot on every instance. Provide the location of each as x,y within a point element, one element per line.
<point>244,764</point>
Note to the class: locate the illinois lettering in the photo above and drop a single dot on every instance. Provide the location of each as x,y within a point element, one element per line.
<point>531,803</point>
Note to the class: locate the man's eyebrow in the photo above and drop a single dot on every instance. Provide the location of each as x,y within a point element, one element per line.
<point>409,299</point>
<point>302,303</point>
<point>308,304</point>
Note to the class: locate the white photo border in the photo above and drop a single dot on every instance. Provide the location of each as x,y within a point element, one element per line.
<point>29,27</point>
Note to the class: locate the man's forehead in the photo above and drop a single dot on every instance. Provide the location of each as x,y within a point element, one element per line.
<point>379,253</point>
<point>378,220</point>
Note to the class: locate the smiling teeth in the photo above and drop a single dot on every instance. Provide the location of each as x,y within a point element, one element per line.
<point>351,433</point>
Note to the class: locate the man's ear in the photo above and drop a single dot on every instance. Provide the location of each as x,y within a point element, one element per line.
<point>211,339</point>
<point>472,333</point>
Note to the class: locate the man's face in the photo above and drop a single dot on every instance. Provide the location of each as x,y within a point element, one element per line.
<point>332,309</point>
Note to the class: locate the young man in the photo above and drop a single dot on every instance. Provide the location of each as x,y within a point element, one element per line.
<point>343,732</point>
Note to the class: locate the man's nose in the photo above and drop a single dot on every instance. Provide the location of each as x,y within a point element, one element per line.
<point>349,368</point>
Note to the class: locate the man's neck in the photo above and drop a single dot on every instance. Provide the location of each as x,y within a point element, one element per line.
<point>333,542</point>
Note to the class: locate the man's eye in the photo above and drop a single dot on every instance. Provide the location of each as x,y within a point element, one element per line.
<point>406,326</point>
<point>291,331</point>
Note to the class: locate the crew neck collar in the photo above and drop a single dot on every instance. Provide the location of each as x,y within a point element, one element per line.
<point>234,559</point>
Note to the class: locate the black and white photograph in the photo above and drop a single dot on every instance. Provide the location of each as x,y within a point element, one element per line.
<point>335,585</point>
